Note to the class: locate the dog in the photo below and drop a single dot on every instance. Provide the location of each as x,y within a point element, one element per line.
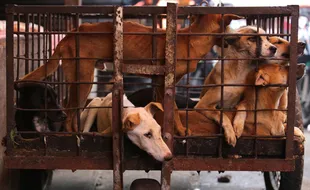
<point>135,46</point>
<point>138,123</point>
<point>32,96</point>
<point>268,122</point>
<point>235,72</point>
<point>283,53</point>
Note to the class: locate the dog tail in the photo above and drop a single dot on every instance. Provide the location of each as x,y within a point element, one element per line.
<point>48,68</point>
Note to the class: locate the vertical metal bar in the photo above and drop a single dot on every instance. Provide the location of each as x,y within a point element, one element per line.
<point>26,44</point>
<point>39,40</point>
<point>59,69</point>
<point>288,28</point>
<point>32,42</point>
<point>292,83</point>
<point>170,61</point>
<point>77,73</point>
<point>9,75</point>
<point>18,47</point>
<point>256,96</point>
<point>222,88</point>
<point>117,103</point>
<point>282,24</point>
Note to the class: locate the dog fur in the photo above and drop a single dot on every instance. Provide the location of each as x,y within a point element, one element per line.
<point>138,123</point>
<point>235,72</point>
<point>96,46</point>
<point>32,96</point>
<point>268,122</point>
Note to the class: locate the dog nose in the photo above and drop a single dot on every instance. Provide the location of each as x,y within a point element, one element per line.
<point>168,156</point>
<point>273,49</point>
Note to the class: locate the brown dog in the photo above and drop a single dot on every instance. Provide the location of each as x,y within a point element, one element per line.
<point>268,122</point>
<point>235,72</point>
<point>100,46</point>
<point>283,52</point>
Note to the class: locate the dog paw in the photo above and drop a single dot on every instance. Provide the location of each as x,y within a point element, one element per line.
<point>299,133</point>
<point>238,128</point>
<point>231,137</point>
<point>183,132</point>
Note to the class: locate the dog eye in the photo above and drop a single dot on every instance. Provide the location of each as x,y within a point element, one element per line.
<point>252,39</point>
<point>148,135</point>
<point>268,38</point>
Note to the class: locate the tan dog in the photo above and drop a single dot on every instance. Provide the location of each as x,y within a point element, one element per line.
<point>283,52</point>
<point>138,123</point>
<point>268,122</point>
<point>235,72</point>
<point>135,47</point>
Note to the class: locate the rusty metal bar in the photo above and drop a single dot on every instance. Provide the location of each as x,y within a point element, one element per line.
<point>117,103</point>
<point>170,62</point>
<point>222,88</point>
<point>26,44</point>
<point>9,76</point>
<point>39,41</point>
<point>196,164</point>
<point>144,69</point>
<point>292,84</point>
<point>179,163</point>
<point>131,10</point>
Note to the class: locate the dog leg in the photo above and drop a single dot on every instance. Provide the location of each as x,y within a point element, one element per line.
<point>88,115</point>
<point>239,119</point>
<point>210,100</point>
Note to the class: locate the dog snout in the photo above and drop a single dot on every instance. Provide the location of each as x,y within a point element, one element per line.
<point>168,156</point>
<point>273,49</point>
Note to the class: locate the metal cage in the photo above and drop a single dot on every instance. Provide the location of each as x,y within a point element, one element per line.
<point>77,150</point>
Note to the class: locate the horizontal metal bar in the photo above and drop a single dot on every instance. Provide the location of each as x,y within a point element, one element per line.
<point>70,58</point>
<point>228,109</point>
<point>218,164</point>
<point>179,163</point>
<point>131,10</point>
<point>49,82</point>
<point>144,69</point>
<point>154,33</point>
<point>216,85</point>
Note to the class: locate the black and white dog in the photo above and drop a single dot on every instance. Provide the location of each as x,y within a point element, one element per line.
<point>32,96</point>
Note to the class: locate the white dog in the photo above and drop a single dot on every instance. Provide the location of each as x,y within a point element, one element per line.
<point>138,123</point>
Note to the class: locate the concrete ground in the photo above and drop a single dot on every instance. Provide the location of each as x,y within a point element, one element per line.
<point>102,180</point>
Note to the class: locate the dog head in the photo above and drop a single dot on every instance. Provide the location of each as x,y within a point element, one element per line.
<point>32,96</point>
<point>276,74</point>
<point>283,49</point>
<point>144,131</point>
<point>248,44</point>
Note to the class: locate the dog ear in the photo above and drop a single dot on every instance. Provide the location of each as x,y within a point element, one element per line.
<point>153,107</point>
<point>229,17</point>
<point>261,79</point>
<point>232,40</point>
<point>131,121</point>
<point>300,48</point>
